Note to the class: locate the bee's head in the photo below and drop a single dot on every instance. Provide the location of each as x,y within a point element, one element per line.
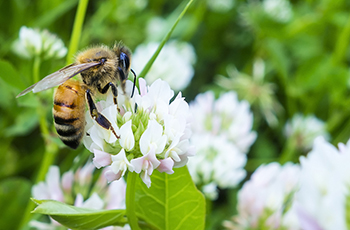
<point>102,55</point>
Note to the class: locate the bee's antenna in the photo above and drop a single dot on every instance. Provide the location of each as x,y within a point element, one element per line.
<point>133,88</point>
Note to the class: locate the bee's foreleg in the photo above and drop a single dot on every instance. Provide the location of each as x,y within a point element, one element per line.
<point>113,88</point>
<point>98,117</point>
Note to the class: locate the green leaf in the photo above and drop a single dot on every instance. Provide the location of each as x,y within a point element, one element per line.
<point>10,75</point>
<point>52,15</point>
<point>172,201</point>
<point>24,123</point>
<point>278,57</point>
<point>14,195</point>
<point>79,218</point>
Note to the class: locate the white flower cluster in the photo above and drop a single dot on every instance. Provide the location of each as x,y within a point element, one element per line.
<point>154,133</point>
<point>75,188</point>
<point>33,42</point>
<point>280,10</point>
<point>174,63</point>
<point>263,200</point>
<point>222,135</point>
<point>323,199</point>
<point>226,117</point>
<point>312,196</point>
<point>221,6</point>
<point>302,131</point>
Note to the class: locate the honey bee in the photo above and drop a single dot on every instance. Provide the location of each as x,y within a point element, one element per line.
<point>100,68</point>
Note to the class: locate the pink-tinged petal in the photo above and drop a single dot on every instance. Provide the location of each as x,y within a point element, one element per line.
<point>182,162</point>
<point>148,167</point>
<point>40,191</point>
<point>151,157</point>
<point>79,199</point>
<point>166,165</point>
<point>83,176</point>
<point>137,163</point>
<point>53,183</point>
<point>146,164</point>
<point>146,179</point>
<point>115,197</point>
<point>93,202</point>
<point>101,159</point>
<point>120,163</point>
<point>143,87</point>
<point>67,181</point>
<point>306,221</point>
<point>111,176</point>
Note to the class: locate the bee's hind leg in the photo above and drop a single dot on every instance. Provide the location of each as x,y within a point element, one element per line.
<point>98,117</point>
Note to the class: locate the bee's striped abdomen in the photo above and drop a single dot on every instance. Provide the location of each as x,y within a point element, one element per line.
<point>69,112</point>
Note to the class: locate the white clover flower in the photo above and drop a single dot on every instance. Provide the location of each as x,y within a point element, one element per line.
<point>218,163</point>
<point>174,63</point>
<point>75,189</point>
<point>221,6</point>
<point>35,43</point>
<point>262,201</point>
<point>279,10</point>
<point>222,135</point>
<point>157,28</point>
<point>226,116</point>
<point>322,201</point>
<point>302,131</point>
<point>51,188</point>
<point>153,136</point>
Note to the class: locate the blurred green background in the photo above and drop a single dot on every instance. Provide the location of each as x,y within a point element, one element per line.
<point>305,52</point>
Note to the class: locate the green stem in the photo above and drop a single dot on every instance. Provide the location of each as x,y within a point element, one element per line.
<point>130,201</point>
<point>36,68</point>
<point>77,28</point>
<point>289,153</point>
<point>50,147</point>
<point>165,39</point>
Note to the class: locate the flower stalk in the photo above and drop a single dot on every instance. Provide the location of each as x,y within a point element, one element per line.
<point>77,28</point>
<point>50,147</point>
<point>130,200</point>
<point>165,39</point>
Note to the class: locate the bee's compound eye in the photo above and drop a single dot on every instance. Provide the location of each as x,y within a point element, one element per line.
<point>125,59</point>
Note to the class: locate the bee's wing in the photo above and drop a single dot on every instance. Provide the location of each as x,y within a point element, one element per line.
<point>58,77</point>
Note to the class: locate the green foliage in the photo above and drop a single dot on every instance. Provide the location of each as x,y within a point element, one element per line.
<point>79,218</point>
<point>14,195</point>
<point>172,202</point>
